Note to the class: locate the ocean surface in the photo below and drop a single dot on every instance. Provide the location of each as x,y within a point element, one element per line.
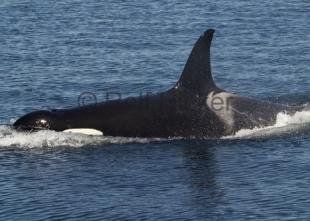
<point>52,51</point>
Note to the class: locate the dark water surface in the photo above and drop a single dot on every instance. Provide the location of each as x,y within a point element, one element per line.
<point>52,51</point>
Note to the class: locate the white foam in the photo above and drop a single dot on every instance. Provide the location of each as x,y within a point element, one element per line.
<point>49,139</point>
<point>285,124</point>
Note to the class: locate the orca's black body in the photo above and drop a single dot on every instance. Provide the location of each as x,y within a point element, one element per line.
<point>195,107</point>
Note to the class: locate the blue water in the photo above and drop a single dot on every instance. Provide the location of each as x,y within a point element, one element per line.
<point>52,51</point>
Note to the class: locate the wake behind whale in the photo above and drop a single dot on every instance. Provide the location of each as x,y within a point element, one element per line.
<point>194,108</point>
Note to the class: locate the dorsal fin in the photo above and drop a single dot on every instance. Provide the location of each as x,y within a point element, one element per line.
<point>196,75</point>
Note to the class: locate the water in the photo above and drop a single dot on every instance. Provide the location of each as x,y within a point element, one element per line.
<point>52,51</point>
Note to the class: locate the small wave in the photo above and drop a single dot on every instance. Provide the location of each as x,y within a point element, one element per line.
<point>47,139</point>
<point>285,124</point>
<point>291,99</point>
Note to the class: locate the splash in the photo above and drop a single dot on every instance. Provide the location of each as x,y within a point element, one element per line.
<point>47,139</point>
<point>285,125</point>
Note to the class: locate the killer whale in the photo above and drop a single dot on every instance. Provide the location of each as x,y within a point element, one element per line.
<point>194,108</point>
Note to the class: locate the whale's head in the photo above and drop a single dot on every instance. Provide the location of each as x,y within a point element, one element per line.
<point>39,120</point>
